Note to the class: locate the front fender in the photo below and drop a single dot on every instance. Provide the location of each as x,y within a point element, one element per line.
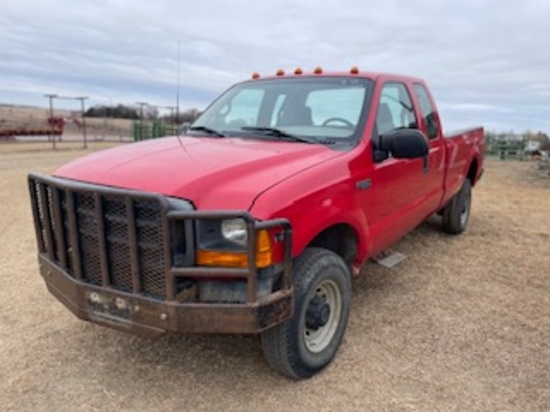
<point>313,201</point>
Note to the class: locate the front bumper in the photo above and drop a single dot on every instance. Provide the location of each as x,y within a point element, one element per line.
<point>108,255</point>
<point>152,318</point>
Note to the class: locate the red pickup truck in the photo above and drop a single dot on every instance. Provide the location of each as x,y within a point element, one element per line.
<point>255,219</point>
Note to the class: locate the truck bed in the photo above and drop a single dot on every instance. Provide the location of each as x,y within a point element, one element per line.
<point>461,146</point>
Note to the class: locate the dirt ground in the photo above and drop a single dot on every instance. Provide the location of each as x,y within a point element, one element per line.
<point>462,325</point>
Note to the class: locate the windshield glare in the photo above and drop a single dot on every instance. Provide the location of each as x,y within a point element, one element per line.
<point>320,108</point>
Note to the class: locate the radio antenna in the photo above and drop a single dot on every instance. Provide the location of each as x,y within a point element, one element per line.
<point>178,82</point>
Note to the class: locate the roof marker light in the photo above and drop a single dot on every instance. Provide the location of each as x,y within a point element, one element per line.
<point>280,72</point>
<point>318,70</point>
<point>354,70</point>
<point>255,75</point>
<point>298,71</point>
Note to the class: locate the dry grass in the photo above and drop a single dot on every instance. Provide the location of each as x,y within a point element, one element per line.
<point>463,324</point>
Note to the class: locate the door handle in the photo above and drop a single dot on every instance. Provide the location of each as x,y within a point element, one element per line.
<point>426,164</point>
<point>363,184</point>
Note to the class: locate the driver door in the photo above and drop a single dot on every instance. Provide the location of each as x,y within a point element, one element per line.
<point>398,185</point>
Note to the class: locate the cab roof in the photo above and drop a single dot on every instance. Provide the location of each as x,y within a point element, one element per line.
<point>318,72</point>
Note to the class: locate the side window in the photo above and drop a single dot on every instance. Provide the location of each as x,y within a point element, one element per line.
<point>427,110</point>
<point>395,110</point>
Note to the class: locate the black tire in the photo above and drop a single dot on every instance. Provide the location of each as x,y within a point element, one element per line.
<point>300,348</point>
<point>457,213</point>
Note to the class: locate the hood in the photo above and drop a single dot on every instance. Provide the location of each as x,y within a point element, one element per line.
<point>213,173</point>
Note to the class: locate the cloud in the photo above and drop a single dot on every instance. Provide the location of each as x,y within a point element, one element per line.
<point>485,60</point>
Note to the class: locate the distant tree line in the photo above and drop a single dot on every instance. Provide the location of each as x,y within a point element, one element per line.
<point>121,111</point>
<point>189,115</point>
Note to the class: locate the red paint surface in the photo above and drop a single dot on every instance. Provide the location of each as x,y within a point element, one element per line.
<point>311,185</point>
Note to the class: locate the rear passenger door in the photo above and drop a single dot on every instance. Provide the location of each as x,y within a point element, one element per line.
<point>430,125</point>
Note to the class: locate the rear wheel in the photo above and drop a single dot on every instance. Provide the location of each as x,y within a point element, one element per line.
<point>307,342</point>
<point>457,213</point>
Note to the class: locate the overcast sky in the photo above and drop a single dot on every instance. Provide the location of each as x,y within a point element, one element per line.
<point>487,61</point>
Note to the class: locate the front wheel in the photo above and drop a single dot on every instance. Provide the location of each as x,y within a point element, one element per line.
<point>457,213</point>
<point>308,341</point>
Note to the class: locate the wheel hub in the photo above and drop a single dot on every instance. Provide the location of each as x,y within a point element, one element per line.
<point>317,314</point>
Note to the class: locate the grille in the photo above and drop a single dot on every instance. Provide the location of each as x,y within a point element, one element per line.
<point>102,237</point>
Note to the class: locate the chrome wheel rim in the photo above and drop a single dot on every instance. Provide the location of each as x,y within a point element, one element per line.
<point>318,337</point>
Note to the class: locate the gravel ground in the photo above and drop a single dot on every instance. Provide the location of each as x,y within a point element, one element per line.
<point>463,324</point>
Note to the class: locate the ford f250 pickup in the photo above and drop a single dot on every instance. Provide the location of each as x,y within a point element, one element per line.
<point>255,218</point>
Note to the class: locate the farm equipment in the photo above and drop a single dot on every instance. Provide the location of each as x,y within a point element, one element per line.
<point>55,128</point>
<point>506,149</point>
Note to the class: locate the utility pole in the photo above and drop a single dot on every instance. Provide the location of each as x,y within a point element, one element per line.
<point>83,108</point>
<point>173,120</point>
<point>172,111</point>
<point>51,135</point>
<point>178,83</point>
<point>141,106</point>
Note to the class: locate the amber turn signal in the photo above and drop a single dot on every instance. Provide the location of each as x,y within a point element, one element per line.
<point>264,251</point>
<point>221,259</point>
<point>264,255</point>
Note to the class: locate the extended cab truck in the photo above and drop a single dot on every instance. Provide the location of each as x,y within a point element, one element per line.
<point>255,219</point>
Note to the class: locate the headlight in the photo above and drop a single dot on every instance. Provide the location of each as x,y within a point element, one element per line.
<point>224,244</point>
<point>234,230</point>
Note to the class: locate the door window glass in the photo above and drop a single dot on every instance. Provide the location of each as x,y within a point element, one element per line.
<point>395,110</point>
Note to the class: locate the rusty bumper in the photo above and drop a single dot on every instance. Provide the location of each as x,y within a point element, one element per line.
<point>151,318</point>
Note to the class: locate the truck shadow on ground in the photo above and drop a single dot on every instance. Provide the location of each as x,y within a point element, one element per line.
<point>200,358</point>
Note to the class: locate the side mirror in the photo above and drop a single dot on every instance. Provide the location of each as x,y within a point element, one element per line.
<point>405,144</point>
<point>185,127</point>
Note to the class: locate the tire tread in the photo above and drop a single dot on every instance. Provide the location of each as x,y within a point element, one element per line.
<point>275,342</point>
<point>451,214</point>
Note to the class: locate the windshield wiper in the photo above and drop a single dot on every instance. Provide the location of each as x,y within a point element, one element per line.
<point>273,131</point>
<point>208,130</point>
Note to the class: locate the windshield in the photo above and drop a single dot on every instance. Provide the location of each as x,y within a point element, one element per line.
<point>317,109</point>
